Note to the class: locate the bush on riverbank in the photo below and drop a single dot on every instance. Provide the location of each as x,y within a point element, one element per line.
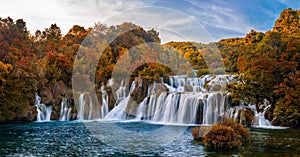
<point>226,135</point>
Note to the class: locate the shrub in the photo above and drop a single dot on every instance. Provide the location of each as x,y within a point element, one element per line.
<point>221,136</point>
<point>202,72</point>
<point>195,133</point>
<point>226,135</point>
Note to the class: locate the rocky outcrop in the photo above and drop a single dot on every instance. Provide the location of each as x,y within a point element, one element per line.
<point>242,114</point>
<point>246,116</point>
<point>199,115</point>
<point>276,122</point>
<point>52,95</point>
<point>140,91</point>
<point>215,88</point>
<point>28,114</point>
<point>46,95</point>
<point>269,113</point>
<point>188,88</point>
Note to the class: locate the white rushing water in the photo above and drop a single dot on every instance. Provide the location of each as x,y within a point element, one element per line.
<point>89,107</point>
<point>179,105</point>
<point>44,111</point>
<point>189,100</point>
<point>65,111</point>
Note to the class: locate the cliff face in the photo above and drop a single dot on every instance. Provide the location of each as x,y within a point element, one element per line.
<point>52,95</point>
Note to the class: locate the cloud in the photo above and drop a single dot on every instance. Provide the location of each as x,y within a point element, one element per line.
<point>220,18</point>
<point>172,25</point>
<point>295,4</point>
<point>66,13</point>
<point>219,15</point>
<point>37,14</point>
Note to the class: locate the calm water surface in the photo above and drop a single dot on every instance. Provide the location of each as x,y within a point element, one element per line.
<point>76,139</point>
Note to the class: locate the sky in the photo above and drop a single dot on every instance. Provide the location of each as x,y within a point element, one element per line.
<point>176,20</point>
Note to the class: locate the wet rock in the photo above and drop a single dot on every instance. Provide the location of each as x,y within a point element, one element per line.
<point>242,115</point>
<point>276,122</point>
<point>138,94</point>
<point>140,91</point>
<point>28,114</point>
<point>52,95</point>
<point>158,88</point>
<point>111,99</point>
<point>215,87</point>
<point>132,107</point>
<point>71,103</point>
<point>46,95</point>
<point>199,115</point>
<point>269,113</point>
<point>59,89</point>
<point>188,88</point>
<point>247,117</point>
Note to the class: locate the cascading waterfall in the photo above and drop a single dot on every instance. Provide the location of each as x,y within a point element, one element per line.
<point>119,112</point>
<point>238,113</point>
<point>141,108</point>
<point>214,108</point>
<point>187,109</point>
<point>187,101</point>
<point>260,118</point>
<point>170,111</point>
<point>178,106</point>
<point>65,111</point>
<point>44,111</point>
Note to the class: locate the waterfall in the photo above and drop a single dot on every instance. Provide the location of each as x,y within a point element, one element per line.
<point>160,107</point>
<point>170,111</point>
<point>80,114</point>
<point>188,107</point>
<point>141,108</point>
<point>152,103</point>
<point>89,108</point>
<point>214,108</point>
<point>181,108</point>
<point>65,111</point>
<point>104,107</point>
<point>44,111</point>
<point>119,112</point>
<point>179,83</point>
<point>260,120</point>
<point>85,109</point>
<point>121,93</point>
<point>132,86</point>
<point>238,113</point>
<point>186,102</point>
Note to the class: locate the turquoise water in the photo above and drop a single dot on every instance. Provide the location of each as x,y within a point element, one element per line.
<point>79,139</point>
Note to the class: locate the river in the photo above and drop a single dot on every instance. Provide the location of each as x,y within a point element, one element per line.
<point>74,138</point>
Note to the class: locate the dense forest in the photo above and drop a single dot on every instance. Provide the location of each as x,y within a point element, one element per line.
<point>266,63</point>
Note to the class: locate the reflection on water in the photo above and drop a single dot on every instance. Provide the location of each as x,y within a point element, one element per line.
<point>73,138</point>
